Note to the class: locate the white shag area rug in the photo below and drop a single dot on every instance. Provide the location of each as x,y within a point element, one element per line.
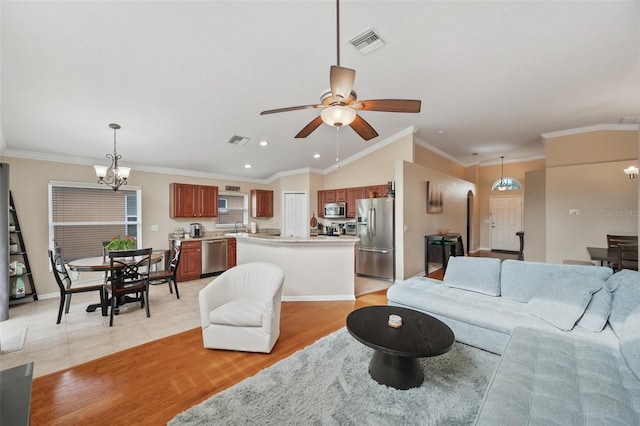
<point>11,341</point>
<point>328,383</point>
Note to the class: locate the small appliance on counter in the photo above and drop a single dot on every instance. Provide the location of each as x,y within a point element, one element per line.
<point>196,230</point>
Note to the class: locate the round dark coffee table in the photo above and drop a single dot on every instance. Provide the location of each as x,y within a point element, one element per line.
<point>395,360</point>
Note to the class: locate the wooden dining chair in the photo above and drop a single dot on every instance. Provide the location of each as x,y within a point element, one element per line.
<point>68,287</point>
<point>614,240</point>
<point>627,256</point>
<point>129,274</point>
<point>169,275</point>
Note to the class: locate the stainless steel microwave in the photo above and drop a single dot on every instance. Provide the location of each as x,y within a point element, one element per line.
<point>335,210</point>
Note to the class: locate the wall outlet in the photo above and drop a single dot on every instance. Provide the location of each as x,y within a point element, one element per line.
<point>154,228</point>
<point>573,212</point>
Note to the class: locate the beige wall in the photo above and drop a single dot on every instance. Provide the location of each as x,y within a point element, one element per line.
<point>588,177</point>
<point>412,220</point>
<point>433,161</point>
<point>535,217</point>
<point>29,186</point>
<point>598,146</point>
<point>486,177</point>
<point>377,168</point>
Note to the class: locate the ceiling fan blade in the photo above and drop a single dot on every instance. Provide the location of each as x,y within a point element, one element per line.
<point>389,105</point>
<point>309,128</point>
<point>341,80</point>
<point>364,129</point>
<point>294,108</point>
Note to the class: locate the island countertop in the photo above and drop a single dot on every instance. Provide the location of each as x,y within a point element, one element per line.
<point>320,239</point>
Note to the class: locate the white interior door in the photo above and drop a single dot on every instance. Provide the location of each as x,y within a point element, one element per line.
<point>506,220</point>
<point>296,217</point>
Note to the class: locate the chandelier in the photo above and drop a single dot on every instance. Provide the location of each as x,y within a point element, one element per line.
<point>114,176</point>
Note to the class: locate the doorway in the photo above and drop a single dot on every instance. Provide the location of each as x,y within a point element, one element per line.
<point>506,220</point>
<point>295,216</point>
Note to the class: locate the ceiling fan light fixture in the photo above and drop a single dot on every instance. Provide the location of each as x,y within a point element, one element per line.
<point>338,115</point>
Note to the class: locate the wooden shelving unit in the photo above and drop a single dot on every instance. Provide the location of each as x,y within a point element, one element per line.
<point>20,255</point>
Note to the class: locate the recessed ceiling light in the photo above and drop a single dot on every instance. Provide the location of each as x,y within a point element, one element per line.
<point>441,132</point>
<point>316,155</point>
<point>264,143</point>
<point>247,166</point>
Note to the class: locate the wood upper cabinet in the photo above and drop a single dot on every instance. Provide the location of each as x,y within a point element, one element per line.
<point>190,266</point>
<point>186,200</point>
<point>354,194</point>
<point>341,195</point>
<point>377,190</point>
<point>231,252</point>
<point>261,203</point>
<point>329,196</point>
<point>322,199</point>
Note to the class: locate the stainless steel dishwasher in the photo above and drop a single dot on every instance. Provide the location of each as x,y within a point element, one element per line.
<point>214,256</point>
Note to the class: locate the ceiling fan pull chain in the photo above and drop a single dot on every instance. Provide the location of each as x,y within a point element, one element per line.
<point>337,146</point>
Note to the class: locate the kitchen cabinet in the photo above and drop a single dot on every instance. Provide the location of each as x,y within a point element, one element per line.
<point>330,196</point>
<point>261,203</point>
<point>341,195</point>
<point>377,190</point>
<point>231,252</point>
<point>190,266</point>
<point>186,200</point>
<point>354,194</point>
<point>321,201</point>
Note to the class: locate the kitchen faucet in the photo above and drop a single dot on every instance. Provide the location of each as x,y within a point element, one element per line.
<point>235,225</point>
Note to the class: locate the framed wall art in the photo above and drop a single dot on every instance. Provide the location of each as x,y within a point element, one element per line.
<point>434,198</point>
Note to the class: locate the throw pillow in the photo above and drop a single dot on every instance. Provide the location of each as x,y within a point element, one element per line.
<point>630,341</point>
<point>479,274</point>
<point>597,312</point>
<point>626,297</point>
<point>562,301</point>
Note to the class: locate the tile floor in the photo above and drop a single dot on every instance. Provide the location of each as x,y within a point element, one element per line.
<point>83,336</point>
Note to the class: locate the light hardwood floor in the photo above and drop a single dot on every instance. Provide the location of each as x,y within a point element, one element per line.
<point>151,383</point>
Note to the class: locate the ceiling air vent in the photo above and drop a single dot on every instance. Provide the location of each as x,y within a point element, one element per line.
<point>238,140</point>
<point>367,42</point>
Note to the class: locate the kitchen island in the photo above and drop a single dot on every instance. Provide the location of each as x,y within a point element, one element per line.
<point>315,268</point>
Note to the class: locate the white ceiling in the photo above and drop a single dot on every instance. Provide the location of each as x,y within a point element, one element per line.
<point>182,77</point>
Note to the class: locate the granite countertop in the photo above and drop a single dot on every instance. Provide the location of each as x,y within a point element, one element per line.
<point>223,235</point>
<point>320,239</point>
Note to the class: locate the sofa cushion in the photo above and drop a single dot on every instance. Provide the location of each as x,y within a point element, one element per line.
<point>562,301</point>
<point>547,378</point>
<point>521,280</point>
<point>597,312</point>
<point>626,297</point>
<point>239,313</point>
<point>479,274</point>
<point>630,341</point>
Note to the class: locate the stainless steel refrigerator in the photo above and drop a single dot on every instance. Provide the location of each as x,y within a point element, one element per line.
<point>375,253</point>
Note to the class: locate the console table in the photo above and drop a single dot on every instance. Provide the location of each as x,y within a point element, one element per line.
<point>440,247</point>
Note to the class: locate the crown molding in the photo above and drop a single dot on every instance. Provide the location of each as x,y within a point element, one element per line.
<point>587,129</point>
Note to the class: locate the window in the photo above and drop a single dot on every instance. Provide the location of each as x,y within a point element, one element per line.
<point>232,208</point>
<point>506,184</point>
<point>82,216</point>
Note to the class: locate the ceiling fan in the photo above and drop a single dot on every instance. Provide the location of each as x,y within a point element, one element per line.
<point>339,103</point>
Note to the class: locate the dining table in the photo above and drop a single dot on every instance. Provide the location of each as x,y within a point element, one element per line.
<point>604,255</point>
<point>103,264</point>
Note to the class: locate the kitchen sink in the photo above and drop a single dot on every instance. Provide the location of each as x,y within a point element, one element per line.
<point>235,234</point>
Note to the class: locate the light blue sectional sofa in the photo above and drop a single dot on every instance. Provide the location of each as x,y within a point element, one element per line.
<point>569,336</point>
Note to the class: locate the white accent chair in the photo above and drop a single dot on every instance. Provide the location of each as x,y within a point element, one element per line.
<point>240,309</point>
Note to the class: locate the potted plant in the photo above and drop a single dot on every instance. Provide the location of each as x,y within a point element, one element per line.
<point>12,227</point>
<point>121,243</point>
<point>13,246</point>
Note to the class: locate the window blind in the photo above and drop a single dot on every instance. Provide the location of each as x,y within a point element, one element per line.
<point>82,218</point>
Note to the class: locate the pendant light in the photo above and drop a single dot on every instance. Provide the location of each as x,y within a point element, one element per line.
<point>503,185</point>
<point>114,176</point>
